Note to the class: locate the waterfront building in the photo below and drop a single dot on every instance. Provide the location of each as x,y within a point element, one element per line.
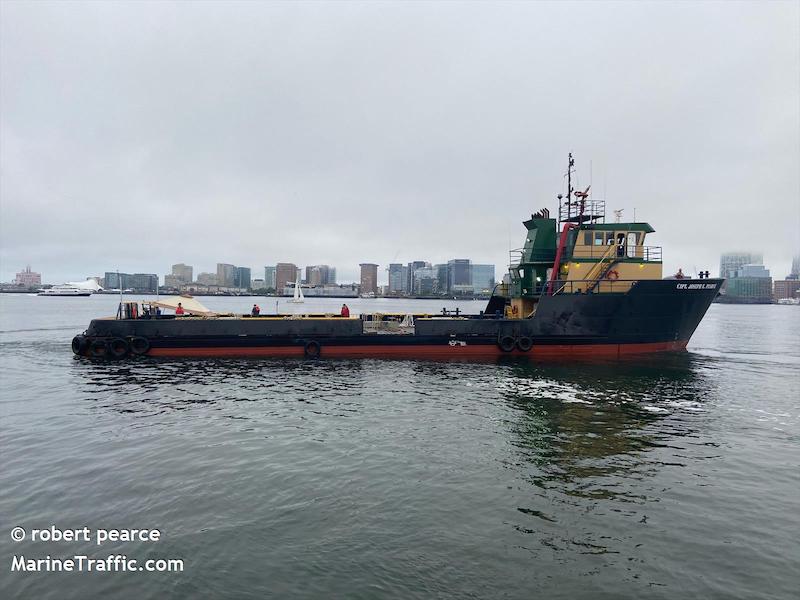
<point>28,278</point>
<point>285,274</point>
<point>369,278</point>
<point>117,281</point>
<point>226,274</point>
<point>258,284</point>
<point>397,279</point>
<point>787,288</point>
<point>320,275</point>
<point>731,262</point>
<point>426,283</point>
<point>241,278</point>
<point>182,272</point>
<point>269,278</point>
<point>482,279</point>
<point>413,266</point>
<point>144,282</point>
<point>207,278</point>
<point>459,276</point>
<point>749,290</point>
<point>749,284</point>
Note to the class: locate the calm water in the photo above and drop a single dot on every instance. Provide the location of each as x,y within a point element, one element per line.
<point>670,477</point>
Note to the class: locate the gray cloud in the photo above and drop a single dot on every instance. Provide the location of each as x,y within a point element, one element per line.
<point>135,135</point>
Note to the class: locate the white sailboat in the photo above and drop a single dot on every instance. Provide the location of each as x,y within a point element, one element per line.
<point>298,293</point>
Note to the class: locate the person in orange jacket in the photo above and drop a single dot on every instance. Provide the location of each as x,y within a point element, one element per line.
<point>179,310</point>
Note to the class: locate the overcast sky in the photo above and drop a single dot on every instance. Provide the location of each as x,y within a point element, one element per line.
<point>137,135</point>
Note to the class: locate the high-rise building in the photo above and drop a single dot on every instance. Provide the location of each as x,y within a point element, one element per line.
<point>397,279</point>
<point>225,275</point>
<point>750,283</point>
<point>320,275</point>
<point>425,281</point>
<point>752,271</point>
<point>731,262</point>
<point>413,266</point>
<point>369,278</point>
<point>285,273</point>
<point>482,279</point>
<point>182,272</point>
<point>144,282</point>
<point>241,278</point>
<point>28,278</point>
<point>115,280</point>
<point>269,278</point>
<point>459,276</point>
<point>795,274</point>
<point>207,278</point>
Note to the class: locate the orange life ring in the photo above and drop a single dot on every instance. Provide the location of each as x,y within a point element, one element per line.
<point>613,275</point>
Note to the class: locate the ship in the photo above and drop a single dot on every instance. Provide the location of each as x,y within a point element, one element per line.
<point>579,287</point>
<point>72,289</point>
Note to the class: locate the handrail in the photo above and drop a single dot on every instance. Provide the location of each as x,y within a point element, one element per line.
<point>591,275</point>
<point>645,253</point>
<point>582,286</point>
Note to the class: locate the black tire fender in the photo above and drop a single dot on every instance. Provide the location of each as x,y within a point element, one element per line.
<point>79,344</point>
<point>98,349</point>
<point>525,343</point>
<point>312,349</point>
<point>506,343</point>
<point>118,348</point>
<point>139,345</point>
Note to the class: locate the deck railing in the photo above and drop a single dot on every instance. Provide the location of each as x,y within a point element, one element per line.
<point>645,253</point>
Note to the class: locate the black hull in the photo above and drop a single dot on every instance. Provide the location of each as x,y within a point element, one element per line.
<point>653,316</point>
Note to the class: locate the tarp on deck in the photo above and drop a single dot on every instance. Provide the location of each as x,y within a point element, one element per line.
<point>190,305</point>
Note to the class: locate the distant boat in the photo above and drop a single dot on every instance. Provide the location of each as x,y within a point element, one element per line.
<point>298,293</point>
<point>368,295</point>
<point>66,289</point>
<point>789,301</point>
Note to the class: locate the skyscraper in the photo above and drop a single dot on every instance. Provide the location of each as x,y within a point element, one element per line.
<point>482,278</point>
<point>369,278</point>
<point>397,279</point>
<point>731,262</point>
<point>320,275</point>
<point>413,266</point>
<point>182,272</point>
<point>459,276</point>
<point>241,278</point>
<point>225,275</point>
<point>207,278</point>
<point>269,277</point>
<point>285,273</point>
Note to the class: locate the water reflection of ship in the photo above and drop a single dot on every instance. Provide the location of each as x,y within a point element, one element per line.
<point>570,418</point>
<point>180,383</point>
<point>595,442</point>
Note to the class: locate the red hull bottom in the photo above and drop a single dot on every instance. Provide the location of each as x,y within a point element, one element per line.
<point>447,352</point>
